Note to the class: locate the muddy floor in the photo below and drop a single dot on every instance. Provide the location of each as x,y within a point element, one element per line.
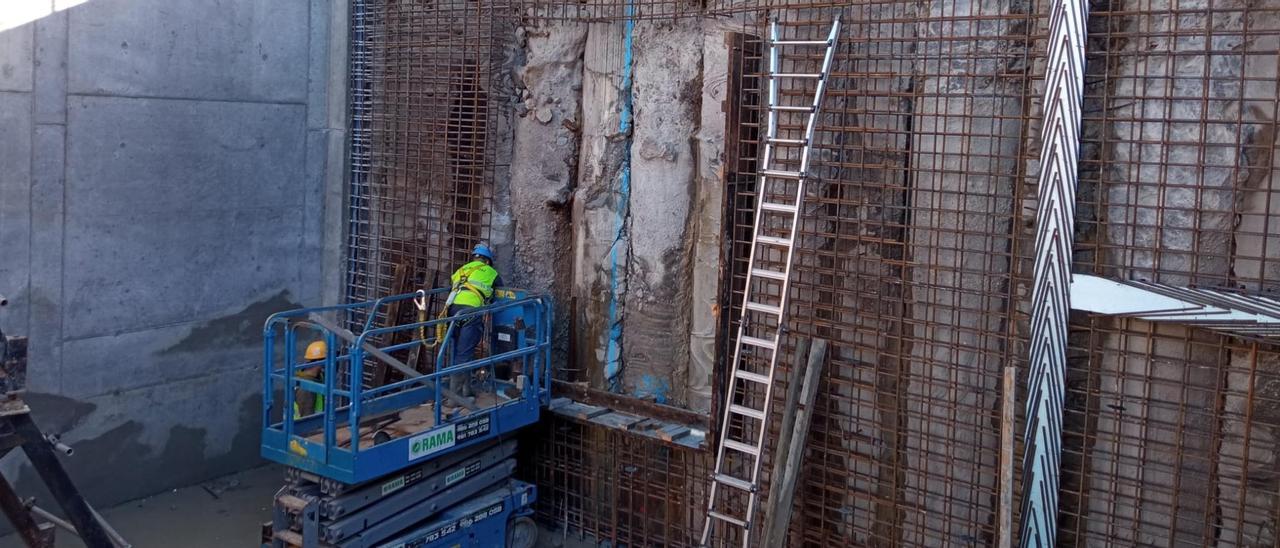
<point>225,512</point>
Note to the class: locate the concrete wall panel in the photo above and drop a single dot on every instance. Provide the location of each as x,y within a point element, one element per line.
<point>16,58</point>
<point>237,50</point>
<point>228,341</point>
<point>135,272</point>
<point>51,69</point>
<point>160,204</point>
<point>15,140</point>
<point>44,296</point>
<point>15,201</point>
<point>178,209</point>
<point>130,156</point>
<point>133,443</point>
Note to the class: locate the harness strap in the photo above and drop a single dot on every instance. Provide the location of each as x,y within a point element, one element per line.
<point>465,284</point>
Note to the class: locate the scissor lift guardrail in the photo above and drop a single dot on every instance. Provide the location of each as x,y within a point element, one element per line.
<point>312,443</point>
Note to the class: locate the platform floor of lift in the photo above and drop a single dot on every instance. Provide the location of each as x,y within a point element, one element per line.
<point>409,422</point>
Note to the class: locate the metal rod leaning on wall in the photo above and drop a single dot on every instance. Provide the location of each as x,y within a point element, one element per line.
<point>17,513</point>
<point>1050,297</point>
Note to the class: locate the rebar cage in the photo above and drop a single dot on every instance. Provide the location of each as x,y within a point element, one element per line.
<point>914,259</point>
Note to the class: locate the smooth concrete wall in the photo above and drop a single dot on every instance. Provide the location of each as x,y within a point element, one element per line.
<point>170,174</point>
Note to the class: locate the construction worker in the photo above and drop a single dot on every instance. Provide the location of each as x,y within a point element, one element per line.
<point>306,399</point>
<point>473,285</point>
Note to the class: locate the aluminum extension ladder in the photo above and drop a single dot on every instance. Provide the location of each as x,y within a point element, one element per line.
<point>758,385</point>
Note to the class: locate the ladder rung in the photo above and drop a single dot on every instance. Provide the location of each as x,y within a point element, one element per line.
<point>778,141</point>
<point>754,341</point>
<point>800,42</point>
<point>810,75</point>
<point>766,308</point>
<point>742,447</point>
<point>746,411</point>
<point>726,517</point>
<point>781,174</point>
<point>775,206</point>
<point>782,108</point>
<point>753,377</point>
<point>770,240</point>
<point>771,274</point>
<point>736,483</point>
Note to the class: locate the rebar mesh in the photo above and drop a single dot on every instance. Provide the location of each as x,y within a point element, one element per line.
<point>616,487</point>
<point>905,263</point>
<point>422,165</point>
<point>914,259</point>
<point>1169,429</point>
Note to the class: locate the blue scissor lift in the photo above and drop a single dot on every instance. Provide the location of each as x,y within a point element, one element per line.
<point>409,462</point>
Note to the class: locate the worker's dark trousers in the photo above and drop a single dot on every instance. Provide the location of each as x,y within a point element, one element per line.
<point>466,338</point>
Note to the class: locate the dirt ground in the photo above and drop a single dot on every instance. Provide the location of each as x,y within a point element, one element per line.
<point>225,512</point>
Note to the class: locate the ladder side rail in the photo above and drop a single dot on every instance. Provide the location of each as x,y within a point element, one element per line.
<point>818,95</point>
<point>770,131</point>
<point>790,244</point>
<point>784,298</point>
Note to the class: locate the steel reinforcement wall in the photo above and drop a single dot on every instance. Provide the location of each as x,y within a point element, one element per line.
<point>915,259</point>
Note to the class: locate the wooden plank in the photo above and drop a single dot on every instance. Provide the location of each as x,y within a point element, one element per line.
<point>1006,455</point>
<point>781,456</point>
<point>786,476</point>
<point>616,419</point>
<point>671,432</point>
<point>634,406</point>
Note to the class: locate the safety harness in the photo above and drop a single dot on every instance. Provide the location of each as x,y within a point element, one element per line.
<point>463,284</point>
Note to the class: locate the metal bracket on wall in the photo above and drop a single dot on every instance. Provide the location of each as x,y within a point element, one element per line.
<point>1230,313</point>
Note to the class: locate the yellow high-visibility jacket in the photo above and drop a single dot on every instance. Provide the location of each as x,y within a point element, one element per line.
<point>473,284</point>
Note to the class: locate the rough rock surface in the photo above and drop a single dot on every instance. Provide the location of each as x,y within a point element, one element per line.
<point>667,101</point>
<point>596,204</point>
<point>546,159</point>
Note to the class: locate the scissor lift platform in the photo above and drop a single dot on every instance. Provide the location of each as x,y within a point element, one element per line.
<point>409,459</point>
<point>406,421</point>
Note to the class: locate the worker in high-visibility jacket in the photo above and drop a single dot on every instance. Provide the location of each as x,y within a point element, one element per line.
<point>473,284</point>
<point>306,399</point>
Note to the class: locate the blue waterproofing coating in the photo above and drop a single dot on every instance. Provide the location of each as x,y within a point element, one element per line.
<point>613,362</point>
